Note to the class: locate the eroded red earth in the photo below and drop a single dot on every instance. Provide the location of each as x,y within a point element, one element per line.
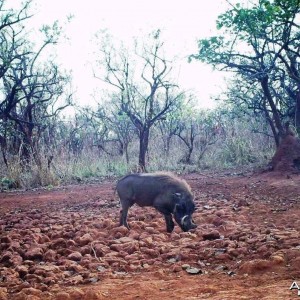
<point>65,243</point>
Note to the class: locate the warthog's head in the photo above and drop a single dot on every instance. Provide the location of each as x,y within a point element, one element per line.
<point>184,208</point>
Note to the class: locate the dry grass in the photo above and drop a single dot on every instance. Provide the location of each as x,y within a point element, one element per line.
<point>239,147</point>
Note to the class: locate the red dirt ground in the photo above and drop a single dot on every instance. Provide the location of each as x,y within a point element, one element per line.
<point>64,243</point>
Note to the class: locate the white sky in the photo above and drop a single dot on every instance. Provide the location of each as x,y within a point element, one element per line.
<point>182,23</point>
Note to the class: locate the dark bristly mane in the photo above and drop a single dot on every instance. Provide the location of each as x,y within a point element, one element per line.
<point>170,179</point>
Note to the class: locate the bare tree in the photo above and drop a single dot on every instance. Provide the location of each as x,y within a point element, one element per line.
<point>32,89</point>
<point>146,98</point>
<point>10,30</point>
<point>197,130</point>
<point>119,126</point>
<point>168,129</point>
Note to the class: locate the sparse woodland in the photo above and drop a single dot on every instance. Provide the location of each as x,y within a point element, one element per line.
<point>145,121</point>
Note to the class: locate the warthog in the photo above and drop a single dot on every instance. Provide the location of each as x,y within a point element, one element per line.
<point>167,193</point>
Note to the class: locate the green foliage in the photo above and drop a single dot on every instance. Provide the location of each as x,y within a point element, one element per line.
<point>256,19</point>
<point>7,183</point>
<point>259,43</point>
<point>237,151</point>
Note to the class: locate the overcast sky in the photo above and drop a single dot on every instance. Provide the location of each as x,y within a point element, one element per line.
<point>182,23</point>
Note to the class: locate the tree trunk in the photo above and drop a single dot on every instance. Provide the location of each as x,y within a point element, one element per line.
<point>167,146</point>
<point>3,149</point>
<point>273,128</point>
<point>26,148</point>
<point>144,141</point>
<point>297,112</point>
<point>189,155</point>
<point>202,152</point>
<point>265,86</point>
<point>125,151</point>
<point>127,155</point>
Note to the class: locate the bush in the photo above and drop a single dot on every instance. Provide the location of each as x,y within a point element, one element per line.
<point>235,146</point>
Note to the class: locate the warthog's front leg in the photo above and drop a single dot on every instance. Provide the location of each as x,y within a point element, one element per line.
<point>167,214</point>
<point>169,222</point>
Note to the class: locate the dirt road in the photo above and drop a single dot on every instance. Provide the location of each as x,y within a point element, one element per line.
<point>64,243</point>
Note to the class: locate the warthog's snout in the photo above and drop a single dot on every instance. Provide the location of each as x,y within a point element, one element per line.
<point>187,223</point>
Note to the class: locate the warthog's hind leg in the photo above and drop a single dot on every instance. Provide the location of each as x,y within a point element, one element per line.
<point>123,214</point>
